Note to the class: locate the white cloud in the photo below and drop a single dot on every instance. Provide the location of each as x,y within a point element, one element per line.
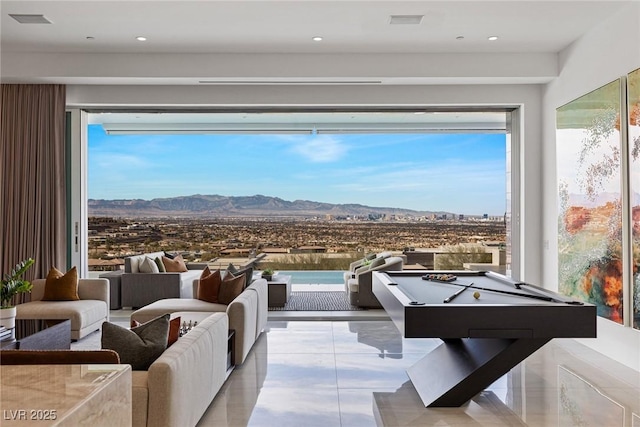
<point>320,149</point>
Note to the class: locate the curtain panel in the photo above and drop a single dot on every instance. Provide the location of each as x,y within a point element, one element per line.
<point>32,178</point>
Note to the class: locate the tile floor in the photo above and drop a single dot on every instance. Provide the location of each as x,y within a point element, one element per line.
<point>352,374</point>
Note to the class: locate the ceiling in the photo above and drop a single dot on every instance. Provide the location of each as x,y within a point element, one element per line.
<point>266,26</point>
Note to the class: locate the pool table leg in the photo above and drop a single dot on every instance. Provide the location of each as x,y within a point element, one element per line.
<point>460,368</point>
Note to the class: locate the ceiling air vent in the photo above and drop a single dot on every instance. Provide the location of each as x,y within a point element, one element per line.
<point>30,19</point>
<point>405,19</point>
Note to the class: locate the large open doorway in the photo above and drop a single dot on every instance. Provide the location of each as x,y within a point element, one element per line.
<point>348,150</point>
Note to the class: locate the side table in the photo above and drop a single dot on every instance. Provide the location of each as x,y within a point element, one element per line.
<point>279,290</point>
<point>115,302</point>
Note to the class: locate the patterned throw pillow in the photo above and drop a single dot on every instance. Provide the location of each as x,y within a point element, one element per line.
<point>230,288</point>
<point>209,285</point>
<point>61,287</point>
<point>175,265</point>
<point>140,346</point>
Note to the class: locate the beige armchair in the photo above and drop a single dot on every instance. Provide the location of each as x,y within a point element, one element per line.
<point>86,314</point>
<point>359,288</point>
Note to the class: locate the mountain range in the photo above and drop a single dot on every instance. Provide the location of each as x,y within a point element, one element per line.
<point>202,206</point>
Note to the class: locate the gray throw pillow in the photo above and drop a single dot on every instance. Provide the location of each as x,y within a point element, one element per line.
<point>140,346</point>
<point>232,269</point>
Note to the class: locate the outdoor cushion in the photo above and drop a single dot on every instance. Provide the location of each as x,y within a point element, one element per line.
<point>175,265</point>
<point>148,265</point>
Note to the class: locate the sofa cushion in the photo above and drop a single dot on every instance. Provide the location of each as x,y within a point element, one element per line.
<point>230,288</point>
<point>171,305</point>
<point>140,346</point>
<point>81,313</point>
<point>175,265</point>
<point>148,265</point>
<point>61,287</point>
<point>209,285</point>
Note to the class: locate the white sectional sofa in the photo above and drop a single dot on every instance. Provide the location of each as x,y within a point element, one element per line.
<point>247,314</point>
<point>139,289</point>
<point>180,385</point>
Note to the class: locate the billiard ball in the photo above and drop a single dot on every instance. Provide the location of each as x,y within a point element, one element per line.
<point>476,295</point>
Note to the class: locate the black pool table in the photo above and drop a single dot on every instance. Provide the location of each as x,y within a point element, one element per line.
<point>484,335</point>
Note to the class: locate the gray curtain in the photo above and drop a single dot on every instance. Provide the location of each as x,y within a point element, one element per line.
<point>32,178</point>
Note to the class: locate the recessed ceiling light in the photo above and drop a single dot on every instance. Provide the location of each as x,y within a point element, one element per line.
<point>141,39</point>
<point>460,38</point>
<point>405,19</point>
<point>316,39</point>
<point>30,19</point>
<point>492,38</point>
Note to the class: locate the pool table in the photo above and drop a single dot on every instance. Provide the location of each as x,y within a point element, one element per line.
<point>488,324</point>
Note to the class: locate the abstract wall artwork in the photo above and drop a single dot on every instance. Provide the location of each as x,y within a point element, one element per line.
<point>633,108</point>
<point>588,141</point>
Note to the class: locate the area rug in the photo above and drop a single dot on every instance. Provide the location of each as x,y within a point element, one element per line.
<point>317,301</point>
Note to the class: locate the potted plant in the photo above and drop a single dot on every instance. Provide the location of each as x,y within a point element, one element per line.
<point>13,284</point>
<point>267,273</point>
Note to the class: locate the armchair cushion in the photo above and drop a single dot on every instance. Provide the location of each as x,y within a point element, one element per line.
<point>61,287</point>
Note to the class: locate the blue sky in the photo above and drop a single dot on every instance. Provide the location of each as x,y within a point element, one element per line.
<point>459,173</point>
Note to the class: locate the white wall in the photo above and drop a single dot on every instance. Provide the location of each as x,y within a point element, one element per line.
<point>607,52</point>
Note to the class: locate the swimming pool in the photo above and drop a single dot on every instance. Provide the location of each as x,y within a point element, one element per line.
<point>324,277</point>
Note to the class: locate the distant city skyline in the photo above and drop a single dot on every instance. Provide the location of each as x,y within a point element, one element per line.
<point>459,173</point>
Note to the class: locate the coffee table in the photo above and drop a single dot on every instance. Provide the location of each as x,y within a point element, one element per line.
<point>40,334</point>
<point>279,290</point>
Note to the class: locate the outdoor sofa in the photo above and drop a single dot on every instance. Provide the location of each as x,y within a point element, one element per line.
<point>140,289</point>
